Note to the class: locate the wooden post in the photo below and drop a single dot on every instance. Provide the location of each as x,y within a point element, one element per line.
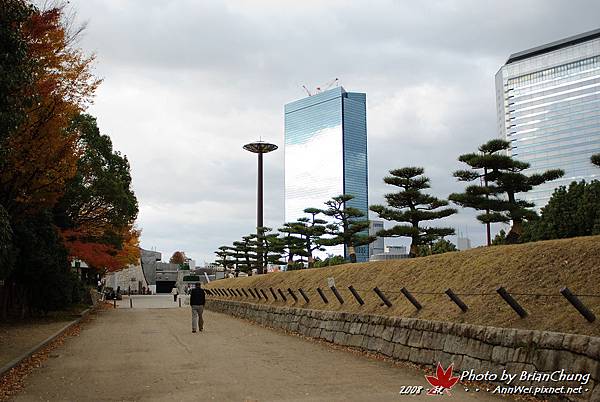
<point>356,295</point>
<point>578,304</point>
<point>512,302</point>
<point>320,292</point>
<point>382,296</point>
<point>411,298</point>
<point>456,300</point>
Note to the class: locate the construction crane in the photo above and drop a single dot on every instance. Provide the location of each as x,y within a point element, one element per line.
<point>322,88</point>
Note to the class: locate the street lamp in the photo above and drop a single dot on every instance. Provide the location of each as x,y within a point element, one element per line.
<point>260,148</point>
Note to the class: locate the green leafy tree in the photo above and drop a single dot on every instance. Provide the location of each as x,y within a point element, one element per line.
<point>6,245</point>
<point>16,67</point>
<point>44,274</point>
<point>570,212</point>
<point>500,238</point>
<point>269,247</point>
<point>292,245</point>
<point>329,261</point>
<point>245,251</point>
<point>349,227</point>
<point>100,194</point>
<point>439,247</point>
<point>412,207</point>
<point>310,230</point>
<point>595,159</point>
<point>503,179</point>
<point>225,253</point>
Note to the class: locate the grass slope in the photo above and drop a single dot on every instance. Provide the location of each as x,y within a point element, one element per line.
<point>537,269</point>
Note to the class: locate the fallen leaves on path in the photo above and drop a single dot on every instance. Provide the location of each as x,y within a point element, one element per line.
<point>13,380</point>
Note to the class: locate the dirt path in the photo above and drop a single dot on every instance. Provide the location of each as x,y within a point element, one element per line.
<point>151,354</point>
<point>18,338</point>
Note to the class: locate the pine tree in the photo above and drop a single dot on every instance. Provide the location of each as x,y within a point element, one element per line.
<point>348,228</point>
<point>503,180</point>
<point>292,244</point>
<point>411,206</point>
<point>310,231</point>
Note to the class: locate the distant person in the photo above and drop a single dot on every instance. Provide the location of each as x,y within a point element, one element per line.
<point>174,292</point>
<point>197,300</point>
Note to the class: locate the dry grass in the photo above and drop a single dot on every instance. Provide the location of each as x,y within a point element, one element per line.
<point>538,270</point>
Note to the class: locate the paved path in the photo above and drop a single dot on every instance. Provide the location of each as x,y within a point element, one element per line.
<point>152,355</point>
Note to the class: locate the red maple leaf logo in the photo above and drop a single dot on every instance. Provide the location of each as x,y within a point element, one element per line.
<point>442,382</point>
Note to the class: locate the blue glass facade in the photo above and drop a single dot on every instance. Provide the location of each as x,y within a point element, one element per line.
<point>326,154</point>
<point>549,109</point>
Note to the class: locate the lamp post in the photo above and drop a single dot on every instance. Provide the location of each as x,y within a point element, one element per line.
<point>260,148</point>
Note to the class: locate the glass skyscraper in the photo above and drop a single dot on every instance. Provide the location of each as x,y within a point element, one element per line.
<point>326,154</point>
<point>548,101</point>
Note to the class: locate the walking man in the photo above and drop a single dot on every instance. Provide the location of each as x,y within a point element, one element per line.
<point>197,300</point>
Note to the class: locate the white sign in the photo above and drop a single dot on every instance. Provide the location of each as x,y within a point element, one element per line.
<point>331,282</point>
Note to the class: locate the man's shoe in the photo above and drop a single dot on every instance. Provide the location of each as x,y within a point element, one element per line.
<point>193,331</point>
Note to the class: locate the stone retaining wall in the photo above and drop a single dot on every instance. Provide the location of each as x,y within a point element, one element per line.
<point>468,347</point>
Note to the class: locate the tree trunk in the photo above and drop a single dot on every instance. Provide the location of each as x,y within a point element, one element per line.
<point>514,234</point>
<point>352,253</point>
<point>414,251</point>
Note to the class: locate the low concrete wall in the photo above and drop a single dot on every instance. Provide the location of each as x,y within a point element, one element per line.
<point>468,347</point>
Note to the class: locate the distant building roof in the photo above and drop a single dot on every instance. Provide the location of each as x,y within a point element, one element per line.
<point>552,46</point>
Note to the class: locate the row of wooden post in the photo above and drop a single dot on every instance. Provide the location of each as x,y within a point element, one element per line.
<point>504,294</point>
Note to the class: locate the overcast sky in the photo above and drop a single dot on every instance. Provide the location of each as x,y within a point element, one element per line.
<point>188,82</point>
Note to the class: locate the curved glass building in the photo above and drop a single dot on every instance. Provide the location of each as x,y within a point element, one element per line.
<point>326,154</point>
<point>548,101</point>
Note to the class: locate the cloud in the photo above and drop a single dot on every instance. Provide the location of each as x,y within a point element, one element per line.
<point>187,83</point>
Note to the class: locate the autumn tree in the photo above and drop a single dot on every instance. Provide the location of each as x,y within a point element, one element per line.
<point>98,209</point>
<point>178,257</point>
<point>412,207</point>
<point>348,227</point>
<point>32,180</point>
<point>503,179</point>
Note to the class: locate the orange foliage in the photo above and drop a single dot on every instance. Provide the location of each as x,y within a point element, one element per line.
<point>42,154</point>
<point>80,245</point>
<point>130,253</point>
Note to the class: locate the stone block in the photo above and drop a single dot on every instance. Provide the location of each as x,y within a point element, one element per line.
<point>593,349</point>
<point>378,331</point>
<point>493,336</point>
<point>455,344</point>
<point>388,348</point>
<point>551,359</point>
<point>551,340</point>
<point>354,328</point>
<point>400,335</point>
<point>414,338</point>
<point>478,349</point>
<point>446,359</point>
<point>501,354</point>
<point>388,333</point>
<point>355,340</point>
<point>433,340</point>
<point>470,363</point>
<point>421,356</point>
<point>340,338</point>
<point>576,343</point>
<point>401,352</point>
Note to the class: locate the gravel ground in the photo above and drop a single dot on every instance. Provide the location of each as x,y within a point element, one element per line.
<point>19,338</point>
<point>151,355</point>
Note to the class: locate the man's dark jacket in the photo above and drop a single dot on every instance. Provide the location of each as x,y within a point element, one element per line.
<point>197,297</point>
